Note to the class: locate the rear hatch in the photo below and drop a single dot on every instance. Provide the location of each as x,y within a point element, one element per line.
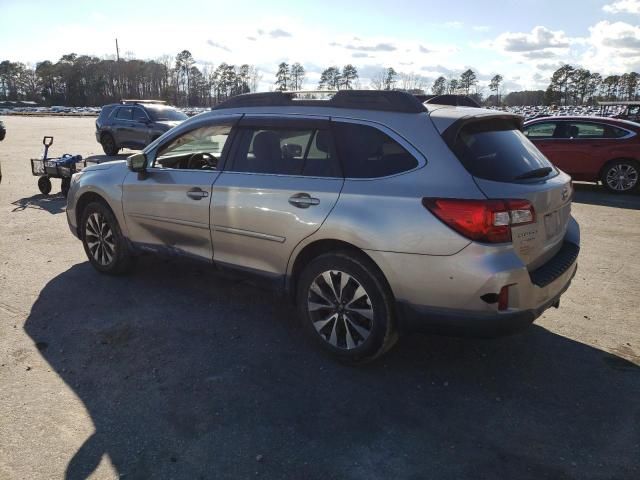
<point>506,165</point>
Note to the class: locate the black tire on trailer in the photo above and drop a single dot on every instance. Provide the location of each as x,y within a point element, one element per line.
<point>44,185</point>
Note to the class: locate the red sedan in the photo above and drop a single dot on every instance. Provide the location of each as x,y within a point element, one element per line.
<point>591,149</point>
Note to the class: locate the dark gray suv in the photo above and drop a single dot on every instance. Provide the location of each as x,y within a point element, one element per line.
<point>134,124</point>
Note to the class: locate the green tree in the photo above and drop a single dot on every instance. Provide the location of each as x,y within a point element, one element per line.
<point>390,78</point>
<point>348,77</point>
<point>283,77</point>
<point>468,79</point>
<point>439,86</point>
<point>494,86</point>
<point>297,76</point>
<point>560,81</point>
<point>330,79</point>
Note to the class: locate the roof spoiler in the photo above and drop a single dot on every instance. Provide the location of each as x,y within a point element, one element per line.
<point>453,100</point>
<point>498,120</point>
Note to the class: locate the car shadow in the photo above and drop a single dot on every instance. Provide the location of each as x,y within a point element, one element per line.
<point>593,194</point>
<point>52,203</point>
<point>189,374</point>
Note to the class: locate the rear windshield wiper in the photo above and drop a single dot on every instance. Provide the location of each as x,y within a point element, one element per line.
<point>537,173</point>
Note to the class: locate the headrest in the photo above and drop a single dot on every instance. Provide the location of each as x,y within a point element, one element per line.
<point>266,144</point>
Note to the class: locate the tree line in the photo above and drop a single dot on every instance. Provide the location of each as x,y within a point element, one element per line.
<point>578,86</point>
<point>81,80</point>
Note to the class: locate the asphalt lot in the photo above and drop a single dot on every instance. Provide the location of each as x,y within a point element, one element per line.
<point>178,372</point>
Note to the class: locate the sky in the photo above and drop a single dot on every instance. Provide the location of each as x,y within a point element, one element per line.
<point>523,40</point>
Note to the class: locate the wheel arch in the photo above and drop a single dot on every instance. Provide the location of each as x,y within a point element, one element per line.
<point>319,247</point>
<point>84,200</point>
<point>616,159</point>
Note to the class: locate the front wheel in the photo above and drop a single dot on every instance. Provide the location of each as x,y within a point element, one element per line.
<point>346,307</point>
<point>104,244</point>
<point>620,176</point>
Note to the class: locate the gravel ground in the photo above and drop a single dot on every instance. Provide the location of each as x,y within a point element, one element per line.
<point>177,372</point>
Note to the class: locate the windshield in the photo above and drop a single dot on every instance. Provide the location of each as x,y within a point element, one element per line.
<point>163,114</point>
<point>496,151</point>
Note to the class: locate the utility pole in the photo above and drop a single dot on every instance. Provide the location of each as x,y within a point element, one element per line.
<point>118,69</point>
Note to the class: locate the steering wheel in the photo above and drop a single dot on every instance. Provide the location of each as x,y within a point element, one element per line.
<point>199,160</point>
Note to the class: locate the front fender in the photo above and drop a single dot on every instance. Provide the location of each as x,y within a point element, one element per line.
<point>104,180</point>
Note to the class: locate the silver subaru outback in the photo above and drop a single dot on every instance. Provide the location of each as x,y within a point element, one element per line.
<point>376,214</point>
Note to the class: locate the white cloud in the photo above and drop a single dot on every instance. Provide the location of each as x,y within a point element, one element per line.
<point>540,38</point>
<point>623,6</point>
<point>612,48</point>
<point>453,24</point>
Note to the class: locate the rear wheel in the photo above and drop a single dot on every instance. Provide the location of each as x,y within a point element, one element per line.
<point>103,241</point>
<point>44,185</point>
<point>109,144</point>
<point>620,176</point>
<point>346,307</point>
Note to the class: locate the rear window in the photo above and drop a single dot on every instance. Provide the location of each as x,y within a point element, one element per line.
<point>366,152</point>
<point>495,150</point>
<point>164,114</point>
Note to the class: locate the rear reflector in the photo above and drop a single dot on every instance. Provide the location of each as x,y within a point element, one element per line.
<point>503,298</point>
<point>487,221</point>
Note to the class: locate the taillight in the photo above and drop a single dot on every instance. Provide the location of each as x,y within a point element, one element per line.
<point>488,221</point>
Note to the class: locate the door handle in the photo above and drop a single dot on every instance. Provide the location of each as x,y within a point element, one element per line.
<point>197,194</point>
<point>303,200</point>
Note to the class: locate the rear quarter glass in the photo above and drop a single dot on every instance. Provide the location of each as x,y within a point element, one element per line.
<point>496,151</point>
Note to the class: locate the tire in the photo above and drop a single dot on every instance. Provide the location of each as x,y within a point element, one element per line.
<point>109,144</point>
<point>65,185</point>
<point>621,176</point>
<point>352,335</point>
<point>44,185</point>
<point>104,244</point>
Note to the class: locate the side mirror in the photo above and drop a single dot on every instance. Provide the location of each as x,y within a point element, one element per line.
<point>137,162</point>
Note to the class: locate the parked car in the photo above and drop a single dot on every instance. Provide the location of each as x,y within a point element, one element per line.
<point>134,124</point>
<point>376,214</point>
<point>3,132</point>
<point>591,149</point>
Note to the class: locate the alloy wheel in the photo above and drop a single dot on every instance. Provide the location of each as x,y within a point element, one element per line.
<point>100,239</point>
<point>340,309</point>
<point>622,177</point>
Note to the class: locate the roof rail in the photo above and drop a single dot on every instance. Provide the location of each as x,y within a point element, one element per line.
<point>126,101</point>
<point>382,100</point>
<point>447,99</point>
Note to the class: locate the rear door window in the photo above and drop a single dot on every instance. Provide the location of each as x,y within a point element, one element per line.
<point>495,150</point>
<point>594,130</point>
<point>124,113</point>
<point>366,152</point>
<point>540,130</point>
<point>286,151</point>
<point>139,115</point>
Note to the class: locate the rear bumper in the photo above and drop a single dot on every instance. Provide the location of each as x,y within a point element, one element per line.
<point>445,321</point>
<point>457,294</point>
